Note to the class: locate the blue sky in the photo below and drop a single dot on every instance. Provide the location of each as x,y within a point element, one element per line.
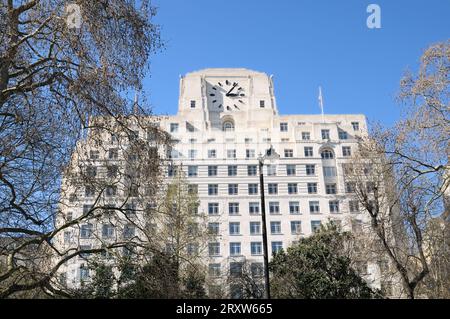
<point>304,44</point>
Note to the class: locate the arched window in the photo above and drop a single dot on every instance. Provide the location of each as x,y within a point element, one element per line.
<point>228,126</point>
<point>327,154</point>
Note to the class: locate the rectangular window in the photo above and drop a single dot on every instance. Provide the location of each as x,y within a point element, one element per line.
<point>233,208</point>
<point>330,189</point>
<point>334,206</point>
<point>355,126</point>
<point>310,169</point>
<point>212,154</point>
<point>192,171</point>
<point>283,127</point>
<point>94,155</point>
<point>86,231</point>
<point>262,103</point>
<point>111,171</point>
<point>235,271</point>
<point>91,171</point>
<point>214,249</point>
<point>213,228</point>
<point>292,188</point>
<point>192,104</point>
<point>350,187</point>
<point>192,189</point>
<point>84,272</point>
<point>173,127</point>
<point>113,154</point>
<point>306,136</point>
<point>213,208</point>
<point>253,208</point>
<point>235,249</point>
<point>353,206</point>
<point>89,191</point>
<point>314,207</point>
<point>257,269</point>
<point>213,189</point>
<point>277,246</point>
<point>294,208</point>
<point>290,170</point>
<point>232,170</point>
<point>329,171</point>
<point>67,237</point>
<point>111,191</point>
<point>275,228</point>
<point>325,134</point>
<point>255,228</point>
<point>128,231</point>
<point>232,189</point>
<point>343,135</point>
<point>271,170</point>
<point>308,151</point>
<point>231,153</point>
<point>273,188</point>
<point>214,270</point>
<point>274,208</point>
<point>235,228</point>
<point>312,188</point>
<point>251,170</point>
<point>315,225</point>
<point>250,153</point>
<point>346,151</point>
<point>288,153</point>
<point>192,154</point>
<point>253,189</point>
<point>212,170</point>
<point>256,248</point>
<point>296,227</point>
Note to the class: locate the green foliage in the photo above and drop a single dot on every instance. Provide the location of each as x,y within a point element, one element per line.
<point>317,268</point>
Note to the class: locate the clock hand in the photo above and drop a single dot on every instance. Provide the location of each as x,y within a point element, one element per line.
<point>235,84</point>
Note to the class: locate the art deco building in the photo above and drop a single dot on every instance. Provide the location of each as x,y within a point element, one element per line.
<point>228,117</point>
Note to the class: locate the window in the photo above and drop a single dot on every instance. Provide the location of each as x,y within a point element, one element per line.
<point>235,228</point>
<point>214,270</point>
<point>232,170</point>
<point>253,189</point>
<point>314,207</point>
<point>111,171</point>
<point>356,225</point>
<point>256,248</point>
<point>192,171</point>
<point>355,126</point>
<point>91,171</point>
<point>257,269</point>
<point>248,140</point>
<point>274,208</point>
<point>249,153</point>
<point>192,154</point>
<point>228,126</point>
<point>134,190</point>
<point>288,153</point>
<point>87,209</point>
<point>173,127</point>
<point>113,154</point>
<point>346,151</point>
<point>370,187</point>
<point>330,189</point>
<point>253,208</point>
<point>312,188</point>
<point>251,170</point>
<point>192,104</point>
<point>315,225</point>
<point>69,216</point>
<point>266,140</point>
<point>262,103</point>
<point>353,206</point>
<point>350,187</point>
<point>306,136</point>
<point>212,154</point>
<point>255,228</point>
<point>231,153</point>
<point>84,272</point>
<point>296,227</point>
<point>213,208</point>
<point>235,249</point>
<point>276,246</point>
<point>275,228</point>
<point>232,189</point>
<point>86,231</point>
<point>111,191</point>
<point>214,249</point>
<point>67,237</point>
<point>334,206</point>
<point>114,138</point>
<point>343,135</point>
<point>192,189</point>
<point>292,188</point>
<point>236,270</point>
<point>191,128</point>
<point>94,155</point>
<point>213,189</point>
<point>233,208</point>
<point>308,151</point>
<point>271,170</point>
<point>273,188</point>
<point>310,169</point>
<point>329,171</point>
<point>327,154</point>
<point>212,170</point>
<point>291,170</point>
<point>283,127</point>
<point>89,191</point>
<point>325,134</point>
<point>128,231</point>
<point>294,208</point>
<point>213,228</point>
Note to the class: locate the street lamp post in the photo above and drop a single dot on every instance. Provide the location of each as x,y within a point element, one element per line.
<point>270,155</point>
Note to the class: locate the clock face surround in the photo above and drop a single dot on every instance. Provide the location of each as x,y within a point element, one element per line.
<point>226,95</point>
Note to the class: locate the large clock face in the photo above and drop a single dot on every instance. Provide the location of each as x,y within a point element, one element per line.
<point>226,95</point>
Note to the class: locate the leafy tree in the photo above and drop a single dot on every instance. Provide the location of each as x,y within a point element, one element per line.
<point>318,267</point>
